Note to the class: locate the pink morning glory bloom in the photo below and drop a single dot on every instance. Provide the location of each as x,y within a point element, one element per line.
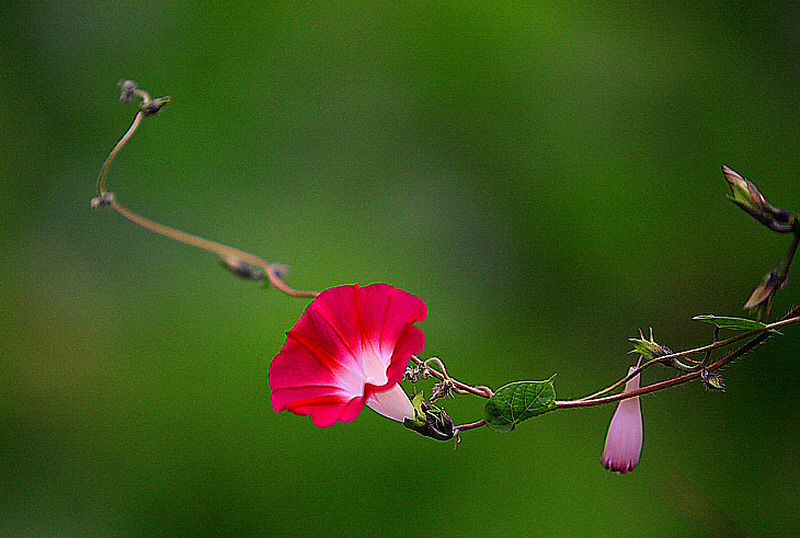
<point>349,351</point>
<point>623,447</point>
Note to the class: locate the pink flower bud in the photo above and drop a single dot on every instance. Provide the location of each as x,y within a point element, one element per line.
<point>623,447</point>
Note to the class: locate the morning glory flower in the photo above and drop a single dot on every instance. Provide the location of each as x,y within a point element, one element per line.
<point>349,351</point>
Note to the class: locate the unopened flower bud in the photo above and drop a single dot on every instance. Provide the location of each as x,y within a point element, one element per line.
<point>623,448</point>
<point>100,201</point>
<point>127,91</point>
<point>241,268</point>
<point>765,291</point>
<point>744,193</point>
<point>154,106</point>
<point>713,381</point>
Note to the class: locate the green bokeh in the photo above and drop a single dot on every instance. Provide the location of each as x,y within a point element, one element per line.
<point>546,177</point>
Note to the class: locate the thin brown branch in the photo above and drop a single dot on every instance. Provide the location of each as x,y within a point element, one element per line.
<point>271,270</point>
<point>758,337</point>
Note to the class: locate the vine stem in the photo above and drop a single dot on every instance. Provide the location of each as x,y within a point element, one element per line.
<point>271,270</point>
<point>786,262</point>
<point>786,320</point>
<point>470,426</point>
<point>760,336</point>
<point>482,391</point>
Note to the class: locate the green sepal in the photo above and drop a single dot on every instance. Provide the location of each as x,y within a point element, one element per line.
<point>733,323</point>
<point>518,401</point>
<point>649,349</point>
<point>419,420</point>
<point>430,420</point>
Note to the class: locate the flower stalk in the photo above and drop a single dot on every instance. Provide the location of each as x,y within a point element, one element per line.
<point>150,107</point>
<point>764,295</point>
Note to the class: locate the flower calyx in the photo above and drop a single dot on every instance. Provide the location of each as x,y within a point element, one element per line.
<point>430,420</point>
<point>154,106</point>
<point>415,373</point>
<point>648,349</point>
<point>443,389</point>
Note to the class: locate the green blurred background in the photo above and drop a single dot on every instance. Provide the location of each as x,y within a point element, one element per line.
<point>545,176</point>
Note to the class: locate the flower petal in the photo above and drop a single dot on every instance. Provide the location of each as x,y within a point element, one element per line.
<point>409,342</point>
<point>392,310</point>
<point>393,404</point>
<point>325,405</point>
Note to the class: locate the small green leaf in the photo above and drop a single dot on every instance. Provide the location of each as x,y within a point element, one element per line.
<point>519,401</point>
<point>733,323</point>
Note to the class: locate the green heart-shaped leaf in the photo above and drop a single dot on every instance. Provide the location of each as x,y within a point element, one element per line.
<point>518,401</point>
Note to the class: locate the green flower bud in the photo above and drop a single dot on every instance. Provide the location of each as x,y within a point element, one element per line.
<point>713,381</point>
<point>746,195</point>
<point>154,106</point>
